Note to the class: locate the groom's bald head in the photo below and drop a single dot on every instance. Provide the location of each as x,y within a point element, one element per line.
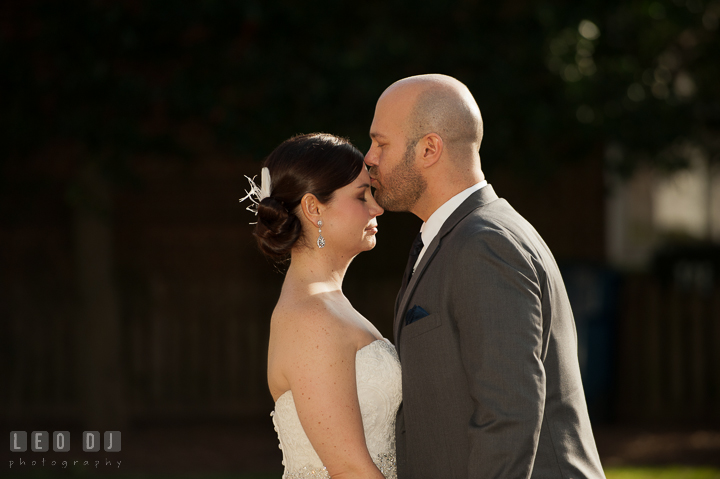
<point>426,134</point>
<point>443,105</point>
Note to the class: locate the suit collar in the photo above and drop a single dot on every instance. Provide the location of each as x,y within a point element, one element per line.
<point>432,226</point>
<point>478,199</point>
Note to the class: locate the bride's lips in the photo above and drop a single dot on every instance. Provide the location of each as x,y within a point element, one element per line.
<point>371,229</point>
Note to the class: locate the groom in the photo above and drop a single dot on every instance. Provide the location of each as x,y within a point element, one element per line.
<point>483,326</point>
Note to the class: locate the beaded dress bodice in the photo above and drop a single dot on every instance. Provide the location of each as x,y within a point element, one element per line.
<point>377,371</point>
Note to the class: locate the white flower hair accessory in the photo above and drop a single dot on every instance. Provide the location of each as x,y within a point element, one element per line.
<point>258,193</point>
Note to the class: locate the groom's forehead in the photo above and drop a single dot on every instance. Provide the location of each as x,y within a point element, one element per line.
<point>386,131</point>
<point>389,119</point>
<point>393,107</point>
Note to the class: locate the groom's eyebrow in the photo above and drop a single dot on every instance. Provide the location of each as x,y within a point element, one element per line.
<point>374,135</point>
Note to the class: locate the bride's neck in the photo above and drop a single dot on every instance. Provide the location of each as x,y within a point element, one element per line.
<point>316,270</point>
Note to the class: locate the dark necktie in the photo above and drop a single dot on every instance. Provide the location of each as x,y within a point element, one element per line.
<point>417,247</point>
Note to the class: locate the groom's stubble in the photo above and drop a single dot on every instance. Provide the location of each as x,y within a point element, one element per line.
<point>403,186</point>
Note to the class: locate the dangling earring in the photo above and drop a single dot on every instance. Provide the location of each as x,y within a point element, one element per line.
<point>320,240</point>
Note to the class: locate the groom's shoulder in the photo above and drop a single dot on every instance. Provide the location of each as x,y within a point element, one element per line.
<point>497,215</point>
<point>491,219</point>
<point>492,227</point>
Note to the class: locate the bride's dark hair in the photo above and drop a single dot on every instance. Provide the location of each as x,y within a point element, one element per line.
<point>316,163</point>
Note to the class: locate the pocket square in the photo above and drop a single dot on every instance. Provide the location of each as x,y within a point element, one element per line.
<point>415,313</point>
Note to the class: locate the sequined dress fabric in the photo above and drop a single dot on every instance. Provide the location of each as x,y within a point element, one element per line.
<point>377,370</point>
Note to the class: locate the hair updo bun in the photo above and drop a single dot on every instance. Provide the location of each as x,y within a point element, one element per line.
<point>316,163</point>
<point>276,230</point>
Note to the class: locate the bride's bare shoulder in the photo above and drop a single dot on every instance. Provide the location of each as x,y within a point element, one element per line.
<point>302,319</point>
<point>305,334</point>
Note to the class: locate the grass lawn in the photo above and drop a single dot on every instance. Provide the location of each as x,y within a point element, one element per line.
<point>669,472</point>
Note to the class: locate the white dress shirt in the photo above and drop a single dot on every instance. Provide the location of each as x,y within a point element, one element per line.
<point>432,226</point>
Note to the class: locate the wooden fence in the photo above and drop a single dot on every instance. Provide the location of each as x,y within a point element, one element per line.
<point>192,349</point>
<point>668,361</point>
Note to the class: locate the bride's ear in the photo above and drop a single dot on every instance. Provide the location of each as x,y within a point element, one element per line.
<point>311,208</point>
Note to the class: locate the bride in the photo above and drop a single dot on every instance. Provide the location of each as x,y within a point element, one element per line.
<point>334,379</point>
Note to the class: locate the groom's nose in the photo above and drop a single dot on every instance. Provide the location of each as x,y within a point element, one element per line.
<point>370,158</point>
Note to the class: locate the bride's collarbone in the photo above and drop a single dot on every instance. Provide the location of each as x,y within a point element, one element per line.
<point>336,308</point>
<point>301,327</point>
<point>325,317</point>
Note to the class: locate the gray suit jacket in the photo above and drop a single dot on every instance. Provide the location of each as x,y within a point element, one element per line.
<point>490,376</point>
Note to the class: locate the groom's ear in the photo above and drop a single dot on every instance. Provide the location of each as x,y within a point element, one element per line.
<point>311,208</point>
<point>432,147</point>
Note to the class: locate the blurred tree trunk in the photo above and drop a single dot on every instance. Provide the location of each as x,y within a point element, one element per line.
<point>101,378</point>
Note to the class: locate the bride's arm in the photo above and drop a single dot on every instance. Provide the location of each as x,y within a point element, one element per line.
<point>318,361</point>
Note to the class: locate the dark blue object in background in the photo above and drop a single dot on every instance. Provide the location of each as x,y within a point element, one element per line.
<point>593,291</point>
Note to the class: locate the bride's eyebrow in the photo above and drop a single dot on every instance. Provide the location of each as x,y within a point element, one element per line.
<point>364,185</point>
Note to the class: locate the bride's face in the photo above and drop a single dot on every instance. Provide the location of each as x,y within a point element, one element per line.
<point>349,220</point>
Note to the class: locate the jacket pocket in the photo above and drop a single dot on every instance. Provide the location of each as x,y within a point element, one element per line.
<point>421,326</point>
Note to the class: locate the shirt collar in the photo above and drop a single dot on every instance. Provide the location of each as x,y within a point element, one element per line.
<point>432,226</point>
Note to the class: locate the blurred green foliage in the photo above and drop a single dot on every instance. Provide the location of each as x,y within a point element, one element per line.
<point>556,81</point>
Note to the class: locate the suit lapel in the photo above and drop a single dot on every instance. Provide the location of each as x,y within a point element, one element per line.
<point>478,199</point>
<point>400,315</point>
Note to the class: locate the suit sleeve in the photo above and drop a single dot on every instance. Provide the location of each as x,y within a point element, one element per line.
<point>497,306</point>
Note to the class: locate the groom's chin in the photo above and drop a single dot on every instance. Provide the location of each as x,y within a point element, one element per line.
<point>379,198</point>
<point>388,204</point>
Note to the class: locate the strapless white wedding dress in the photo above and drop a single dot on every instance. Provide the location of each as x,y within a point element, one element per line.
<point>377,370</point>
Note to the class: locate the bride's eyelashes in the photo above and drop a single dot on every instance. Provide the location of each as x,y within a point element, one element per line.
<point>363,198</point>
